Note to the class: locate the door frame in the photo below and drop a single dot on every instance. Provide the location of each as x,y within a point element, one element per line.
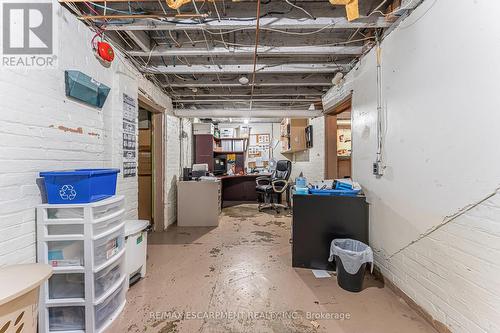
<point>345,104</point>
<point>158,162</point>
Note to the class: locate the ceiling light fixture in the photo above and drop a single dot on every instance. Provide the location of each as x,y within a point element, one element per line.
<point>337,78</point>
<point>243,80</point>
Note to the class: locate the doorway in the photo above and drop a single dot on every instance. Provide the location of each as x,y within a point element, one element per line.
<point>338,144</point>
<point>151,165</point>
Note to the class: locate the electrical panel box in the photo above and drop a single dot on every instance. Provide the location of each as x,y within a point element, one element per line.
<point>378,169</point>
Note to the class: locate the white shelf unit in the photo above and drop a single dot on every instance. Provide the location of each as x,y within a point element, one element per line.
<point>85,244</point>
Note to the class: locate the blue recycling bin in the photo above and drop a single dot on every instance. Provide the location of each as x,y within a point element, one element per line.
<point>80,185</point>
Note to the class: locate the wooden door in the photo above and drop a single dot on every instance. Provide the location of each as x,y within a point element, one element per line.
<point>330,147</point>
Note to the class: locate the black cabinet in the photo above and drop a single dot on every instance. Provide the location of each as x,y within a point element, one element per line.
<point>317,220</point>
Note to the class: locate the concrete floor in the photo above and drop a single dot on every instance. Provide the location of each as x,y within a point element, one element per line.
<point>238,278</point>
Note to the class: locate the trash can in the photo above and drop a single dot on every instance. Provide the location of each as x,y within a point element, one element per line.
<point>20,285</point>
<point>351,257</point>
<point>136,241</point>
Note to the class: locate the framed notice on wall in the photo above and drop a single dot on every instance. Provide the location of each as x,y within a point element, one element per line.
<point>129,136</point>
<point>343,142</point>
<point>259,150</point>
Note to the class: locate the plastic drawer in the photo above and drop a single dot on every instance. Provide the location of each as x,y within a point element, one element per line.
<point>106,210</point>
<point>102,227</point>
<point>106,278</point>
<point>65,253</point>
<point>67,285</point>
<point>64,229</point>
<point>69,213</point>
<point>67,318</point>
<point>105,311</point>
<point>107,247</point>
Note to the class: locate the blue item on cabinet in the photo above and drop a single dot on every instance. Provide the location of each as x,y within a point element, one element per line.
<point>342,193</point>
<point>301,190</point>
<point>339,185</point>
<point>301,181</point>
<point>301,185</point>
<point>80,185</point>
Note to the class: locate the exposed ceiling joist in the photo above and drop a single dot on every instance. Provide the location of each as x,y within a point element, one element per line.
<point>265,23</point>
<point>273,100</point>
<point>245,113</point>
<point>141,39</point>
<point>164,51</point>
<point>247,68</point>
<point>247,95</point>
<point>237,85</point>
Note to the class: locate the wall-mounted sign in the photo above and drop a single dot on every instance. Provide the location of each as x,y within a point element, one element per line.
<point>129,136</point>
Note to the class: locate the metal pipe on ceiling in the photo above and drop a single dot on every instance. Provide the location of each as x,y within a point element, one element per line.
<point>243,113</point>
<point>273,100</point>
<point>238,85</point>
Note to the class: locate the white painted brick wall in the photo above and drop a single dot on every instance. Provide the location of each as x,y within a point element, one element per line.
<point>453,273</point>
<point>34,115</point>
<point>173,156</point>
<point>179,155</point>
<point>440,158</point>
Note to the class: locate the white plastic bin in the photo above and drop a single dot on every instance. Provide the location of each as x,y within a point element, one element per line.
<point>108,209</point>
<point>67,285</point>
<point>64,229</point>
<point>107,247</point>
<point>104,312</point>
<point>66,318</point>
<point>106,278</point>
<point>108,224</point>
<point>65,213</point>
<point>136,239</point>
<point>65,253</point>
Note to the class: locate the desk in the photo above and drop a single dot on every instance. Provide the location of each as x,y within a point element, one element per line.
<point>317,220</point>
<point>239,188</point>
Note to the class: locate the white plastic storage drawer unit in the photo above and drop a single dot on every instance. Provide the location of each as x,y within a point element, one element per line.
<point>85,245</point>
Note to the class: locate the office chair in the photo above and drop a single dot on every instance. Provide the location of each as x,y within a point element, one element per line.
<point>270,188</point>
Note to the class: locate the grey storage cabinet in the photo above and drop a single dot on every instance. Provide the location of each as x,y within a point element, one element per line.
<point>198,203</point>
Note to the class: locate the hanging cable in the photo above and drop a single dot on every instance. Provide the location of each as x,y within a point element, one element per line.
<point>300,8</point>
<point>394,11</point>
<point>220,30</point>
<point>273,30</point>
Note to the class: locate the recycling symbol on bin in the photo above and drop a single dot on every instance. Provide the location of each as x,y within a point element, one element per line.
<point>67,192</point>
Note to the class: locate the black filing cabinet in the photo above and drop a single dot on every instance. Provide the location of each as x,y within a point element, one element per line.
<point>317,220</point>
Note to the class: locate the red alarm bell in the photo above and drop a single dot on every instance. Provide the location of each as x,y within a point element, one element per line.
<point>105,51</point>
